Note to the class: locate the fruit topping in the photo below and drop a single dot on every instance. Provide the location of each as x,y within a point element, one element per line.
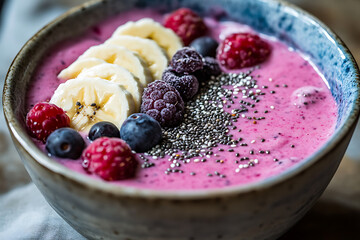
<point>211,68</point>
<point>147,49</point>
<point>91,100</point>
<point>307,96</point>
<point>163,102</point>
<point>206,46</point>
<point>186,24</point>
<point>148,28</point>
<point>44,118</point>
<point>241,50</point>
<point>186,60</point>
<point>187,85</point>
<point>141,132</point>
<point>117,74</point>
<point>113,54</point>
<point>65,143</point>
<point>103,129</point>
<point>109,158</point>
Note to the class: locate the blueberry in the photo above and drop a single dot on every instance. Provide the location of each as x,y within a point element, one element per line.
<point>206,46</point>
<point>141,132</point>
<point>103,129</point>
<point>65,143</point>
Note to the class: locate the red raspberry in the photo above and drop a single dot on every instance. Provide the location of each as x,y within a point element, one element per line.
<point>109,158</point>
<point>44,118</point>
<point>186,24</point>
<point>241,50</point>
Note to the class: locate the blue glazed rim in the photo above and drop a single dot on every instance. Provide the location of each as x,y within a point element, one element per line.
<point>21,137</point>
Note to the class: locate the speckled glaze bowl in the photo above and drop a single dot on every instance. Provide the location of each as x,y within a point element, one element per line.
<point>262,210</point>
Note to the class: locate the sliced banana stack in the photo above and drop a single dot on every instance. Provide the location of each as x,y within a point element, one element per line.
<point>90,100</point>
<point>123,57</point>
<point>78,66</point>
<point>148,28</point>
<point>117,74</point>
<point>149,50</point>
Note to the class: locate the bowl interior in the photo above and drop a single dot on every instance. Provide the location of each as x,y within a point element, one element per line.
<point>289,24</point>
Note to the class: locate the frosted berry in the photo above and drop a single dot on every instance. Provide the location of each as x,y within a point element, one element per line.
<point>186,60</point>
<point>65,143</point>
<point>110,158</point>
<point>163,102</point>
<point>187,85</point>
<point>211,68</point>
<point>206,46</point>
<point>241,50</point>
<point>103,129</point>
<point>307,96</point>
<point>44,118</point>
<point>141,132</point>
<point>186,24</point>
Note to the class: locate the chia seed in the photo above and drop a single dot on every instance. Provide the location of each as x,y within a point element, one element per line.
<point>206,124</point>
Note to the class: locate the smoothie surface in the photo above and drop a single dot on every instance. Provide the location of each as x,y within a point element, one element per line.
<point>292,116</point>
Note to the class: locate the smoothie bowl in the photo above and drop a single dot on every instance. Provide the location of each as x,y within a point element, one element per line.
<point>245,151</point>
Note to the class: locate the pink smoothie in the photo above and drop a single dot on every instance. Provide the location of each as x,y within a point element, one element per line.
<point>291,115</point>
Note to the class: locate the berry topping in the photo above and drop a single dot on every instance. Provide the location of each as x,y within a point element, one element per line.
<point>44,118</point>
<point>109,158</point>
<point>103,129</point>
<point>206,46</point>
<point>241,50</point>
<point>187,85</point>
<point>307,96</point>
<point>186,24</point>
<point>186,60</point>
<point>141,132</point>
<point>65,143</point>
<point>163,102</point>
<point>211,68</point>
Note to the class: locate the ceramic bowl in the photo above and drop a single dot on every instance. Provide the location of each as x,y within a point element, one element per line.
<point>262,210</point>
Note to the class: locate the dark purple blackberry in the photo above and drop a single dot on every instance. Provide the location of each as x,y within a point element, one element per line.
<point>211,68</point>
<point>187,85</point>
<point>186,60</point>
<point>163,102</point>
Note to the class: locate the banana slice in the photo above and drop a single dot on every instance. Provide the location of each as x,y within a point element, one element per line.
<point>148,28</point>
<point>78,66</point>
<point>123,57</point>
<point>90,100</point>
<point>117,74</point>
<point>148,49</point>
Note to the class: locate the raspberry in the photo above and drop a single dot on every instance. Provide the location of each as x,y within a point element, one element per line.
<point>211,68</point>
<point>187,85</point>
<point>186,60</point>
<point>186,24</point>
<point>163,102</point>
<point>45,118</point>
<point>109,158</point>
<point>241,50</point>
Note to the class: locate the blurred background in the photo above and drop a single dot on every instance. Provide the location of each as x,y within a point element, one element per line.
<point>335,216</point>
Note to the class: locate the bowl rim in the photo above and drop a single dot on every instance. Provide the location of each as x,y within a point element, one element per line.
<point>21,137</point>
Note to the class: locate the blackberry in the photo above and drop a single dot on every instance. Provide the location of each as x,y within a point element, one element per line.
<point>186,60</point>
<point>211,68</point>
<point>163,102</point>
<point>187,85</point>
